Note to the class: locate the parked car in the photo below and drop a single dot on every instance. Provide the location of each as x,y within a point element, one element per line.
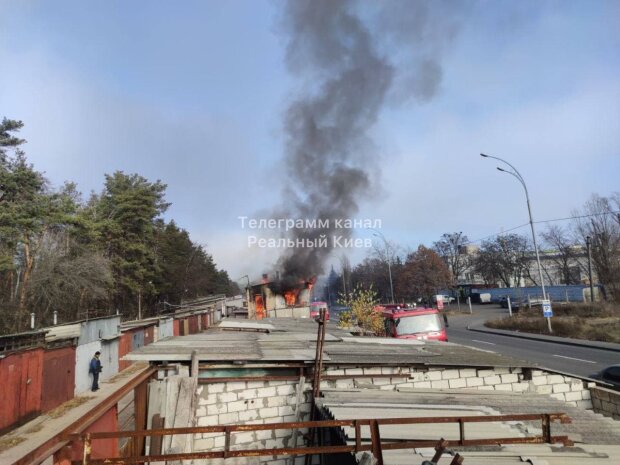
<point>418,323</point>
<point>610,375</point>
<point>515,304</point>
<point>447,299</point>
<point>480,297</point>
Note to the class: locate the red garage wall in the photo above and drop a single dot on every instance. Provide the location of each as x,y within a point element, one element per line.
<point>58,377</point>
<point>149,335</point>
<point>124,347</point>
<point>20,387</point>
<point>193,324</point>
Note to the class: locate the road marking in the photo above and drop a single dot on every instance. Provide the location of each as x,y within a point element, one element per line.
<point>573,358</point>
<point>484,342</point>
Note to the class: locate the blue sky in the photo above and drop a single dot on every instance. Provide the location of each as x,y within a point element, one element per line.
<point>192,93</point>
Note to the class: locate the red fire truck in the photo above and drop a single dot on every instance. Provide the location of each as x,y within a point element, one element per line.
<point>413,323</point>
<point>315,308</point>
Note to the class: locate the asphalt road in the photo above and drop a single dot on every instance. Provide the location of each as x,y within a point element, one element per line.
<point>576,360</point>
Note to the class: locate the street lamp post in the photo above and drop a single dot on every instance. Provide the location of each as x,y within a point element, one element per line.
<point>389,259</point>
<point>246,277</point>
<point>515,173</point>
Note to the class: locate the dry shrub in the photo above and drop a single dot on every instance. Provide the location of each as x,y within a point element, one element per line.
<point>604,329</point>
<point>361,303</point>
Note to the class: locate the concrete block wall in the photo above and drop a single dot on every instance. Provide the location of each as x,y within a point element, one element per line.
<point>606,402</point>
<point>573,391</point>
<point>250,402</point>
<point>258,402</point>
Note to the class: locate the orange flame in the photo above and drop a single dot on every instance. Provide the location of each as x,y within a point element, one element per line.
<point>290,297</point>
<point>260,307</point>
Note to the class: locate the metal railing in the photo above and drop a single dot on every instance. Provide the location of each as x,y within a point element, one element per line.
<point>376,446</point>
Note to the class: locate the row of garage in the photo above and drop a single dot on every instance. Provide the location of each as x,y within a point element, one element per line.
<point>42,369</point>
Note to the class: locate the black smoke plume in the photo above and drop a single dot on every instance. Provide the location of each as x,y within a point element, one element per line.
<point>347,55</point>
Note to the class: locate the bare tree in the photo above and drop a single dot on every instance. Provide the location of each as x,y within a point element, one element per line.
<point>601,222</point>
<point>68,280</point>
<point>451,248</point>
<point>504,259</point>
<point>565,253</point>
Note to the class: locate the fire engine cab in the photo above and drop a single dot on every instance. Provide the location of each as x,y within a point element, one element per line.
<point>315,309</point>
<point>412,323</point>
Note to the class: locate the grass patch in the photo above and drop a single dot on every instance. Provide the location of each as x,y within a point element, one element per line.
<point>7,443</point>
<point>62,409</point>
<point>131,369</point>
<point>594,322</point>
<point>34,429</point>
<point>596,310</point>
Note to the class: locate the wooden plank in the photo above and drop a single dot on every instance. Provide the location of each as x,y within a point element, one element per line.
<point>184,417</point>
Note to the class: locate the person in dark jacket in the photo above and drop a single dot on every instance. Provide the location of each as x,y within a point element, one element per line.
<point>95,368</point>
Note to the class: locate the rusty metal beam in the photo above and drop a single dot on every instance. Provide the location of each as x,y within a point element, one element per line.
<point>440,447</point>
<point>58,441</point>
<point>249,364</point>
<point>376,446</point>
<point>227,379</point>
<point>375,436</point>
<point>140,413</point>
<point>318,367</point>
<point>481,442</point>
<point>324,424</point>
<point>222,454</point>
<point>234,379</point>
<point>313,450</point>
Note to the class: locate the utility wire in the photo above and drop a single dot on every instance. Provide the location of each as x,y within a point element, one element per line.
<point>545,221</point>
<point>579,216</point>
<point>499,233</point>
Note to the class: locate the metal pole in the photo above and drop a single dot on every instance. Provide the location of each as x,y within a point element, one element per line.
<point>469,303</point>
<point>389,260</point>
<point>517,175</point>
<point>540,274</point>
<point>509,305</point>
<point>390,273</point>
<point>588,245</point>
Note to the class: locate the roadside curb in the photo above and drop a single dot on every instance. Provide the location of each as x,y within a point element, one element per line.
<point>555,339</point>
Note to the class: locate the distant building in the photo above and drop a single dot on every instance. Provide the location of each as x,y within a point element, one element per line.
<point>555,271</point>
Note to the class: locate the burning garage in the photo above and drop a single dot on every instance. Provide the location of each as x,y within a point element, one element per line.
<point>279,298</point>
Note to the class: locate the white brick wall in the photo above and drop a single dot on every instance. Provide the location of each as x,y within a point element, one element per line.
<point>260,402</point>
<point>254,402</point>
<point>606,402</point>
<point>501,379</point>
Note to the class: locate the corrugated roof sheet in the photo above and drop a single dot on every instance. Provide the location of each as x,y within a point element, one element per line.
<point>56,333</point>
<point>596,438</point>
<point>294,339</point>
